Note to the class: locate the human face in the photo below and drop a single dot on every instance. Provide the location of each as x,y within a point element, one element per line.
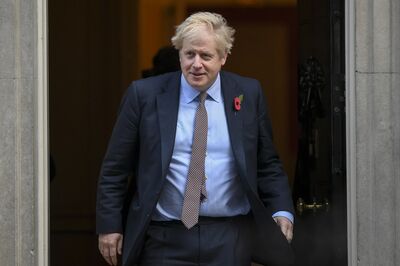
<point>200,60</point>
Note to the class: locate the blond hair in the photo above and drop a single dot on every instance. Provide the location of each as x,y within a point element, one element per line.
<point>214,22</point>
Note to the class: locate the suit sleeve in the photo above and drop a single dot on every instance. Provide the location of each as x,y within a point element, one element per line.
<point>118,164</point>
<point>273,187</point>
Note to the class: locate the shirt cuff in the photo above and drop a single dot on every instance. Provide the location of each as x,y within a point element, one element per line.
<point>284,214</point>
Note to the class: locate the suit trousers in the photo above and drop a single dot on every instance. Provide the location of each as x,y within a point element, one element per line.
<point>223,241</point>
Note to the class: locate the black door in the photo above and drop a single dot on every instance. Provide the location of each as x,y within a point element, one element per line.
<point>319,189</point>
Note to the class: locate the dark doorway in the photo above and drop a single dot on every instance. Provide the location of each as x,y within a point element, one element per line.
<point>92,48</point>
<point>93,57</point>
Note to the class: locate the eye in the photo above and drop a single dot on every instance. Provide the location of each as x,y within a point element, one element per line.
<point>206,57</point>
<point>189,54</point>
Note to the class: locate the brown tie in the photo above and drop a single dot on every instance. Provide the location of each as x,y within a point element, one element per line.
<point>195,184</point>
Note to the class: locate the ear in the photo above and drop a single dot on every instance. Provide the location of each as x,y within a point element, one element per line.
<point>223,59</point>
<point>180,53</point>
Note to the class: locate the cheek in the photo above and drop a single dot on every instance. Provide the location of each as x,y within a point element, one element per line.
<point>214,68</point>
<point>185,64</point>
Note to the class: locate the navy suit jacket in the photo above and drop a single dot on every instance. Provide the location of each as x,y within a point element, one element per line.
<point>141,147</point>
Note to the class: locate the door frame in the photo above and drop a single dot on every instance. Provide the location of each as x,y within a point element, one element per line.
<point>351,174</point>
<point>42,140</point>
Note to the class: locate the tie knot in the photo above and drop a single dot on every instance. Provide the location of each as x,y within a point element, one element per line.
<point>202,97</point>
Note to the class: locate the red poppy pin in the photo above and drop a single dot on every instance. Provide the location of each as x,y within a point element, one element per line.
<point>237,101</point>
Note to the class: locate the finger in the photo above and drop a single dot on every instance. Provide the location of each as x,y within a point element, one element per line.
<point>120,246</point>
<point>287,230</point>
<point>110,253</point>
<point>290,233</point>
<point>106,256</point>
<point>114,259</point>
<point>290,236</point>
<point>283,228</point>
<point>108,259</point>
<point>105,252</point>
<point>110,246</point>
<point>286,227</point>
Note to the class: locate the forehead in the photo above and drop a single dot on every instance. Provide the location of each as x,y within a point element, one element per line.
<point>203,40</point>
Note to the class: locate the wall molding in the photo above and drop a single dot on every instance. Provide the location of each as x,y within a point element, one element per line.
<point>351,133</point>
<point>42,136</point>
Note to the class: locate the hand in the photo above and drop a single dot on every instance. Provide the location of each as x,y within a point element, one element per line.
<point>110,246</point>
<point>286,227</point>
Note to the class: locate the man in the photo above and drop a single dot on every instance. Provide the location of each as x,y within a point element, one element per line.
<point>198,146</point>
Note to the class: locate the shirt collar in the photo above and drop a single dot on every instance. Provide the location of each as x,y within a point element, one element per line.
<point>189,94</point>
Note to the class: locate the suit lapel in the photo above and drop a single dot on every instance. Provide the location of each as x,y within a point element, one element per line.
<point>234,118</point>
<point>167,109</point>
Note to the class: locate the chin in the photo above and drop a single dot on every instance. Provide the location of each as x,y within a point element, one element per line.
<point>196,85</point>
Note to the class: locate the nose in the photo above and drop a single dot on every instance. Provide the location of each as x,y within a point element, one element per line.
<point>197,62</point>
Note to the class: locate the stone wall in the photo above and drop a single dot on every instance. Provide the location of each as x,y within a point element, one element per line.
<point>377,106</point>
<point>17,134</point>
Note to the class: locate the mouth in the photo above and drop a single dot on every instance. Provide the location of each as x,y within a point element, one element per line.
<point>197,74</point>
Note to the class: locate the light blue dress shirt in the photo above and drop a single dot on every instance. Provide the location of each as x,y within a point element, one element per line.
<point>225,196</point>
